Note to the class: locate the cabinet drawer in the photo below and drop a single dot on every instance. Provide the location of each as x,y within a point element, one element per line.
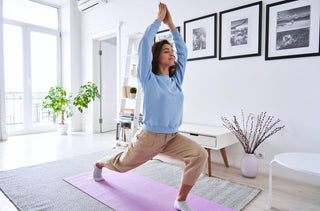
<point>205,141</point>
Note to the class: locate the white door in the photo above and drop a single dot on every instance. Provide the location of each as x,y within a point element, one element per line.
<point>108,84</point>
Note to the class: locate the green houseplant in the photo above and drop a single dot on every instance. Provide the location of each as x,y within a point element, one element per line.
<point>87,92</point>
<point>133,92</point>
<point>58,103</point>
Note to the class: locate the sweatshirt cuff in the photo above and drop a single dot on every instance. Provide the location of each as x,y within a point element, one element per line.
<point>175,32</point>
<point>157,22</point>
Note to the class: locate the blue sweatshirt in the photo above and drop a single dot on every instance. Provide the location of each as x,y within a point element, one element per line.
<point>163,97</point>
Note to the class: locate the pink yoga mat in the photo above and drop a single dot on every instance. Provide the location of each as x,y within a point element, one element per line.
<point>131,192</point>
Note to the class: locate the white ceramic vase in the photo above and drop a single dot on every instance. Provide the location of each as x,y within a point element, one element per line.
<point>62,128</point>
<point>249,165</point>
<point>132,95</point>
<point>134,70</point>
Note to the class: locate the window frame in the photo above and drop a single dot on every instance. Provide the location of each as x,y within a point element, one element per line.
<point>27,29</point>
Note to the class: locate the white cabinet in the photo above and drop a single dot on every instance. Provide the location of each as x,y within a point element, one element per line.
<point>211,138</point>
<point>205,141</point>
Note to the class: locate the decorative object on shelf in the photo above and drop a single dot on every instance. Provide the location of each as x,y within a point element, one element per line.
<point>133,92</point>
<point>58,103</point>
<point>292,29</point>
<point>126,91</point>
<point>129,111</point>
<point>200,35</point>
<point>134,70</point>
<point>125,134</point>
<point>254,131</point>
<point>240,31</point>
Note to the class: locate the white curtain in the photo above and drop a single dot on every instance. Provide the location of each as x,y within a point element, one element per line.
<point>3,133</point>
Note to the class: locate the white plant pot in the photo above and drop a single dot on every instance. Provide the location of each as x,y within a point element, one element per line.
<point>132,95</point>
<point>62,129</point>
<point>249,165</point>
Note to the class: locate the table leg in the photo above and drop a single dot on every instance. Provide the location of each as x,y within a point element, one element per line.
<point>270,185</point>
<point>208,162</point>
<point>224,156</point>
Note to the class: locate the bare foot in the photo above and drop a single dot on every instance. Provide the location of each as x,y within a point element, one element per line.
<point>99,165</point>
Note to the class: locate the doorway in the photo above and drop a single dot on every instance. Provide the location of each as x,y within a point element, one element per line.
<point>108,83</point>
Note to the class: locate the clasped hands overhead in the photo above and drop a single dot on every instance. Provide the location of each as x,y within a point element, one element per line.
<point>165,16</point>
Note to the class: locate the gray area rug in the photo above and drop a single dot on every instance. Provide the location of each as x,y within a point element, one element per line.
<point>41,187</point>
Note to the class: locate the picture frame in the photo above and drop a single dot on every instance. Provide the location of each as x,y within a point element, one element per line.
<point>292,29</point>
<point>165,34</point>
<point>200,36</point>
<point>240,31</point>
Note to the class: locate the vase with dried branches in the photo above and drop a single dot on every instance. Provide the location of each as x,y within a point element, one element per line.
<point>255,130</point>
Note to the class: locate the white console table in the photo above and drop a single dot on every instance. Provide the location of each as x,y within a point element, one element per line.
<point>210,137</point>
<point>298,161</point>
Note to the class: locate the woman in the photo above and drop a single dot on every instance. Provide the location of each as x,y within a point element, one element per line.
<point>161,79</point>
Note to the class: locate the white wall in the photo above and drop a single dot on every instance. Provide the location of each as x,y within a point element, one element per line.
<point>3,134</point>
<point>75,42</point>
<point>287,89</point>
<point>71,54</point>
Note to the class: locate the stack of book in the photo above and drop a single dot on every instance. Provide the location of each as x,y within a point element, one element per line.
<point>126,114</point>
<point>125,117</point>
<point>123,131</point>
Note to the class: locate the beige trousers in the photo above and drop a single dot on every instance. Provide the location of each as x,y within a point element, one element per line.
<point>146,145</point>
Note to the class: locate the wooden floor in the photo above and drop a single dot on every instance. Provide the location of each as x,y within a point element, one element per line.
<point>28,150</point>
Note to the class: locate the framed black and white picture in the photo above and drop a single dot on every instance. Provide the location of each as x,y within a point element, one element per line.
<point>240,31</point>
<point>165,35</point>
<point>200,36</point>
<point>292,29</point>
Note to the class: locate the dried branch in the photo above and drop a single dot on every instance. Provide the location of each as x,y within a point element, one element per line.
<point>262,129</point>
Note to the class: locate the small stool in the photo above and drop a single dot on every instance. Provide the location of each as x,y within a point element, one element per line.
<point>298,161</point>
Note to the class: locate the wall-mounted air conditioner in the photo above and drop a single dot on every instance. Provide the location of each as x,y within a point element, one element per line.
<point>85,5</point>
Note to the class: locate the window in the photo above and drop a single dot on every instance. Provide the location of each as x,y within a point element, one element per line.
<point>30,12</point>
<point>31,62</point>
<point>13,65</point>
<point>43,73</point>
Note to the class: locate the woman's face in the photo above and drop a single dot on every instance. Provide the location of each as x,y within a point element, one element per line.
<point>166,56</point>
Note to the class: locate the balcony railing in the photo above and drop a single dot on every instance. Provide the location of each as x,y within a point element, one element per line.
<point>15,110</point>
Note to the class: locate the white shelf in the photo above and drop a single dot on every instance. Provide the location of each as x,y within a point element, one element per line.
<point>131,56</point>
<point>123,120</point>
<point>127,98</point>
<point>129,77</point>
<point>128,80</point>
<point>121,144</point>
<point>136,35</point>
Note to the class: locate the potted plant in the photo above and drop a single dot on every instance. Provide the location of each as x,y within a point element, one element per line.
<point>59,104</point>
<point>86,93</point>
<point>254,131</point>
<point>133,92</point>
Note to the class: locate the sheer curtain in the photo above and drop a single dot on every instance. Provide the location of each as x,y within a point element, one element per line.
<point>3,133</point>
